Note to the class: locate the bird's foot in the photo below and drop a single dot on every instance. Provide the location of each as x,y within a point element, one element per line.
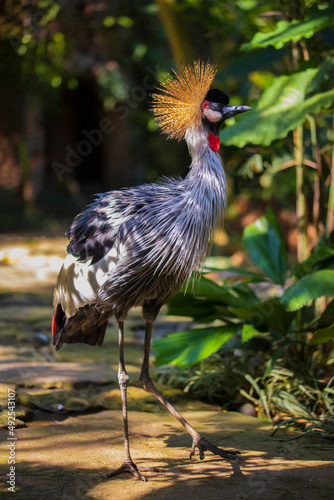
<point>133,469</point>
<point>203,445</point>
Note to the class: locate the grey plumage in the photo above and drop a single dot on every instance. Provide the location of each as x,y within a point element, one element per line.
<point>161,233</point>
<point>137,246</point>
<point>165,230</point>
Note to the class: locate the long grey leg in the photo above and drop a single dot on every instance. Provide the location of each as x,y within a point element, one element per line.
<point>123,380</point>
<point>198,441</point>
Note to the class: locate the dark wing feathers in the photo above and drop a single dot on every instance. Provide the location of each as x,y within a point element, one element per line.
<point>91,234</point>
<point>70,332</point>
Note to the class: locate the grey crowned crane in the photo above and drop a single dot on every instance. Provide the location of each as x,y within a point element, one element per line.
<point>137,246</point>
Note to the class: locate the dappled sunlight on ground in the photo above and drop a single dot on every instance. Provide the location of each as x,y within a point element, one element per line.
<point>78,452</point>
<point>27,264</point>
<point>69,427</point>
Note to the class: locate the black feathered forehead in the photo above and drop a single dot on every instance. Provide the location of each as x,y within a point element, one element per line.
<point>215,95</point>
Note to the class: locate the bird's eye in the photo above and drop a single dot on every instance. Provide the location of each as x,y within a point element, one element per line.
<point>215,106</point>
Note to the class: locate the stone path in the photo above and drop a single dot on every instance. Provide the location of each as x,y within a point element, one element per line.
<point>68,460</point>
<point>69,424</point>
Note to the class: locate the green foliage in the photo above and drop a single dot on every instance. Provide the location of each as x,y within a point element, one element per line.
<point>326,318</point>
<point>280,328</point>
<point>192,345</point>
<point>234,295</point>
<point>310,287</point>
<point>281,108</point>
<point>266,249</point>
<point>243,311</point>
<point>295,30</point>
<point>321,256</point>
<point>249,331</point>
<point>269,314</point>
<point>298,401</point>
<point>113,49</point>
<point>324,75</point>
<point>322,335</point>
<point>112,86</point>
<point>214,379</point>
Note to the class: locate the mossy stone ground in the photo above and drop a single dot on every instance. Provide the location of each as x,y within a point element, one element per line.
<point>69,424</point>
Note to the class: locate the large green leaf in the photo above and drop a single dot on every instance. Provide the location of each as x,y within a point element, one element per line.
<point>271,216</point>
<point>322,335</point>
<point>237,295</point>
<point>249,331</point>
<point>311,287</point>
<point>281,108</point>
<point>188,348</point>
<point>265,248</point>
<point>201,300</point>
<point>269,314</point>
<point>294,30</point>
<point>317,259</point>
<point>203,287</point>
<point>230,295</point>
<point>198,300</point>
<point>324,77</point>
<point>201,311</point>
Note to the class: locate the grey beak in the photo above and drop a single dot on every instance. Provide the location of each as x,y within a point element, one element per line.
<point>229,111</point>
<point>242,109</point>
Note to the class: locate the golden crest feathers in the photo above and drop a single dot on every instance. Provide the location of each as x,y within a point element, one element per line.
<point>178,106</point>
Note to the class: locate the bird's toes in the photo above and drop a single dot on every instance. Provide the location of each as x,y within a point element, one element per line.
<point>198,443</point>
<point>193,449</point>
<point>228,454</point>
<point>203,445</point>
<point>129,467</point>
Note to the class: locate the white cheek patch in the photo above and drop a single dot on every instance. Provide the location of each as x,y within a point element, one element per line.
<point>79,282</point>
<point>212,116</point>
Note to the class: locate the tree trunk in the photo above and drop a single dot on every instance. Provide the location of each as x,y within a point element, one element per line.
<point>176,30</point>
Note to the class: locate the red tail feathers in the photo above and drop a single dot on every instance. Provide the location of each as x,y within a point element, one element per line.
<point>56,319</point>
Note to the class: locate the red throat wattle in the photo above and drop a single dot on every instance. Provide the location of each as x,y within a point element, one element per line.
<point>214,141</point>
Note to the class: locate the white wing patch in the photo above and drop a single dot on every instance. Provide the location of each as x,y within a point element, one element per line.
<point>79,282</point>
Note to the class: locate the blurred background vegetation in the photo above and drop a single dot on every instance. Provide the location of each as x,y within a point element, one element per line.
<point>75,120</point>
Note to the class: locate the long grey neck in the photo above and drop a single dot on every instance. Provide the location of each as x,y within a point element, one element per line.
<point>206,178</point>
<point>205,197</point>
